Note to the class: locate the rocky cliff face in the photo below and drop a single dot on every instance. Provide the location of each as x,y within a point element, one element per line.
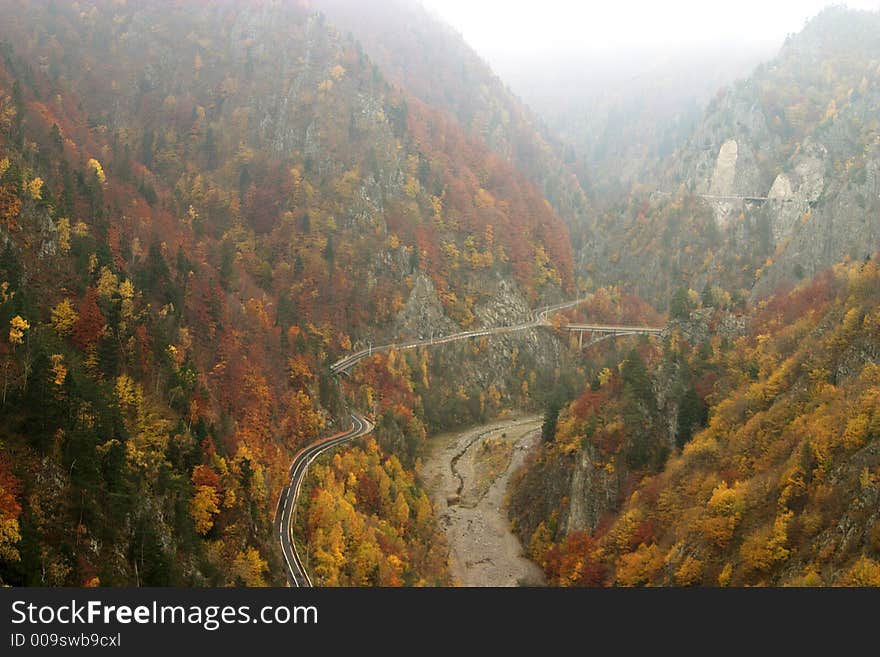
<point>821,207</point>
<point>481,363</point>
<point>593,492</point>
<point>572,492</point>
<point>536,494</point>
<point>786,165</point>
<point>802,133</point>
<point>423,316</point>
<point>819,218</point>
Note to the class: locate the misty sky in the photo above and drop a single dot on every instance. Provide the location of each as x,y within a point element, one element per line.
<point>507,29</point>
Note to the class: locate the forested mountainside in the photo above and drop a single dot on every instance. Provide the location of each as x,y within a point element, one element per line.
<point>203,204</point>
<point>433,62</point>
<point>742,449</point>
<point>801,130</point>
<point>780,487</point>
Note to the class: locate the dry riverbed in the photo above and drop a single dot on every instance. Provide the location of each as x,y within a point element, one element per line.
<point>467,474</point>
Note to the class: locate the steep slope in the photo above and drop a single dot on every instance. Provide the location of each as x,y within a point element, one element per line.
<point>433,62</point>
<point>645,399</point>
<point>800,130</point>
<point>781,487</point>
<point>777,387</point>
<point>202,205</point>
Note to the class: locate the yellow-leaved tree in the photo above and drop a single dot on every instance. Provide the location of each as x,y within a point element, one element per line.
<point>64,318</point>
<point>98,170</point>
<point>35,189</point>
<point>204,507</point>
<point>17,326</point>
<point>864,572</point>
<point>249,568</point>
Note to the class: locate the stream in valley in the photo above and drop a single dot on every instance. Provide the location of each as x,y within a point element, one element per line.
<point>467,473</point>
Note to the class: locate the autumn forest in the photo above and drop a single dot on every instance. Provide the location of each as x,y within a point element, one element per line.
<point>203,206</point>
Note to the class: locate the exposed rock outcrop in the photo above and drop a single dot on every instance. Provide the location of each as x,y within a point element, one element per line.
<point>594,491</point>
<point>422,315</point>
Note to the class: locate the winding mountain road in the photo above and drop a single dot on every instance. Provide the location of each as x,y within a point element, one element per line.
<point>536,318</point>
<point>297,574</point>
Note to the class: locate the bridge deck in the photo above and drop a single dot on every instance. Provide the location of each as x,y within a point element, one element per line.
<point>537,319</point>
<point>605,328</point>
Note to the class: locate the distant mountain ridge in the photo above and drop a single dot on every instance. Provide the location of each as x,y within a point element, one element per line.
<point>433,62</point>
<point>801,130</point>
